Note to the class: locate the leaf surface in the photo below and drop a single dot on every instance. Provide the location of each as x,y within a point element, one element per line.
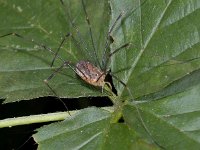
<point>89,129</point>
<point>160,70</point>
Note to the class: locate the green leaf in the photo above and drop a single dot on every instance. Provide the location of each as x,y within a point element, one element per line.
<point>163,65</point>
<point>173,121</point>
<point>89,129</point>
<point>165,44</point>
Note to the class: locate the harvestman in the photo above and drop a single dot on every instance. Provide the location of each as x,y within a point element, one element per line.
<point>84,69</point>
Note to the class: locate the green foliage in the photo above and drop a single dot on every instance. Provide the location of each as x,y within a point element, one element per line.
<point>160,68</point>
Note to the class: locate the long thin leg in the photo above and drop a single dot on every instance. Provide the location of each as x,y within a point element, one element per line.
<point>80,37</point>
<point>61,43</point>
<point>115,51</point>
<point>56,71</point>
<point>50,77</point>
<point>68,63</point>
<point>108,39</point>
<point>45,81</point>
<point>21,146</point>
<point>34,42</point>
<point>39,45</point>
<point>48,49</point>
<point>138,111</point>
<point>112,28</point>
<point>90,30</point>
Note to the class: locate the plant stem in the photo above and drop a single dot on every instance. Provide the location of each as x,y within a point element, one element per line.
<point>118,104</point>
<point>58,116</point>
<point>10,122</point>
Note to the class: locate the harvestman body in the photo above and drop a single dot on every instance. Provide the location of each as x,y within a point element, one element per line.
<point>90,73</point>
